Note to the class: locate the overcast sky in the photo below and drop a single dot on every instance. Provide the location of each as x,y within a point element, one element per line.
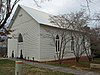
<point>61,6</point>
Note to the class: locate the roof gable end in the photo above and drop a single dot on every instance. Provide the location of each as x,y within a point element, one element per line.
<point>39,16</point>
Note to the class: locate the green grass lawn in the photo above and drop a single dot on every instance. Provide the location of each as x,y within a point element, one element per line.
<point>96,60</point>
<point>84,65</point>
<point>7,67</point>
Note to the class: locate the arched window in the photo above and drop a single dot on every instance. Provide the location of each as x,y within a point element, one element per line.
<point>20,38</point>
<point>72,43</point>
<point>57,43</point>
<point>83,41</point>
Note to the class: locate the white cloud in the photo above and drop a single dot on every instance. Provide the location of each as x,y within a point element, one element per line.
<point>60,6</point>
<point>53,6</point>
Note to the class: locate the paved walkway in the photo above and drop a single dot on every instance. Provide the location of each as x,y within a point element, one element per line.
<point>3,58</point>
<point>61,69</point>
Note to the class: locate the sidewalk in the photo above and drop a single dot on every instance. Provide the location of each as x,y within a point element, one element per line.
<point>60,69</point>
<point>2,58</point>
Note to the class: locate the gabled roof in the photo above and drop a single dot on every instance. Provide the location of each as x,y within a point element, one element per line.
<point>39,16</point>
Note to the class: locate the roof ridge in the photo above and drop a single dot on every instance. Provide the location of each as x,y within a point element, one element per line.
<point>34,9</point>
<point>40,16</point>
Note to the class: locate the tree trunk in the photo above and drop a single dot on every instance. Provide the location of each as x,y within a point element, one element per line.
<point>60,61</point>
<point>77,59</point>
<point>89,58</point>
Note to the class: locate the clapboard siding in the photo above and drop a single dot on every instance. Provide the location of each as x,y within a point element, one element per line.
<point>12,47</point>
<point>21,18</point>
<point>30,31</point>
<point>47,51</point>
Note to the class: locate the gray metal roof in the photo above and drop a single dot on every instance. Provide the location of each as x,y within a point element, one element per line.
<point>39,16</point>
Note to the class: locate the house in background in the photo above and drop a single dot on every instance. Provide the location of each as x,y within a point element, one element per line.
<point>3,44</point>
<point>3,49</point>
<point>29,25</point>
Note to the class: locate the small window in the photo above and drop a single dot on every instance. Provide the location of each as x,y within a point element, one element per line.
<point>20,15</point>
<point>72,43</point>
<point>57,43</point>
<point>83,40</point>
<point>20,38</point>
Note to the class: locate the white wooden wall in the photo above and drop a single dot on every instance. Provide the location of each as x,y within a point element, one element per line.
<point>47,51</point>
<point>12,46</point>
<point>29,29</point>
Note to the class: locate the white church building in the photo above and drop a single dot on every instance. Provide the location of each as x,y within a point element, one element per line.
<point>28,26</point>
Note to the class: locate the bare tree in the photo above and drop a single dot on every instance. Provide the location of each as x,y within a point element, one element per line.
<point>95,41</point>
<point>5,11</point>
<point>75,23</point>
<point>88,6</point>
<point>59,40</point>
<point>94,32</point>
<point>6,8</point>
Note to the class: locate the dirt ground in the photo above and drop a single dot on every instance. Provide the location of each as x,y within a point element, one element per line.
<point>72,62</point>
<point>83,62</point>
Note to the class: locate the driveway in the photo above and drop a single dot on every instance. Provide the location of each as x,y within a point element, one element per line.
<point>60,69</point>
